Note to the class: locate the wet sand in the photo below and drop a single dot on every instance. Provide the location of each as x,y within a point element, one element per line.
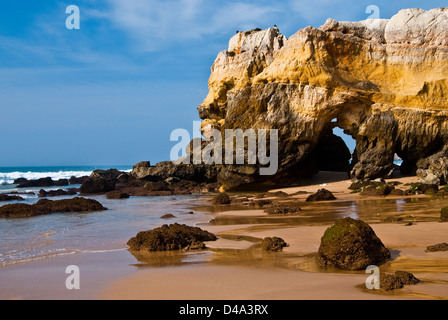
<point>235,268</point>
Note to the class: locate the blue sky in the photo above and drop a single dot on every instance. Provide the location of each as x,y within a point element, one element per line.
<point>112,92</point>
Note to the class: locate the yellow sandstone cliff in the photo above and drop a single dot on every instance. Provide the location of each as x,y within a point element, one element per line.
<point>385,81</point>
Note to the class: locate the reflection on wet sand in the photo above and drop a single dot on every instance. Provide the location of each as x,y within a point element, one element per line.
<point>372,211</point>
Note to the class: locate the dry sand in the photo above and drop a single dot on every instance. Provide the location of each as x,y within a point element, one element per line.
<point>236,269</point>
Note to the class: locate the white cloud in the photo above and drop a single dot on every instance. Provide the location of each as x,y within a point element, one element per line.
<point>155,23</point>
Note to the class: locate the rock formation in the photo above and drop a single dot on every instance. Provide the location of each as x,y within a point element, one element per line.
<point>351,245</point>
<point>46,207</point>
<point>384,82</point>
<point>171,238</point>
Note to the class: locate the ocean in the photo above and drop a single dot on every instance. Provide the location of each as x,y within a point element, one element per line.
<point>44,237</point>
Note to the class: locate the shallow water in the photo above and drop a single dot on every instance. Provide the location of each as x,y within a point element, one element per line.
<point>54,235</point>
<point>369,210</point>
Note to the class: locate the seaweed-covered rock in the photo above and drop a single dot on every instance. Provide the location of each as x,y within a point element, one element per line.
<point>274,244</point>
<point>423,188</point>
<point>321,195</point>
<point>378,190</point>
<point>222,198</point>
<point>170,238</point>
<point>444,214</point>
<point>45,207</point>
<point>5,197</point>
<point>438,247</point>
<point>351,245</point>
<point>398,280</point>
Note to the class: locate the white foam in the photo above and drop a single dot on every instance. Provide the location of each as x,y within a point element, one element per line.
<point>9,177</point>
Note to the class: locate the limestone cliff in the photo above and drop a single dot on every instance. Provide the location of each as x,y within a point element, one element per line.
<point>385,81</point>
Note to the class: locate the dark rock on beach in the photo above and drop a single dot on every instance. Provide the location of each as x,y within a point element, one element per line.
<point>351,245</point>
<point>100,181</point>
<point>157,186</point>
<point>441,247</point>
<point>171,238</point>
<point>423,188</point>
<point>377,190</point>
<point>45,207</point>
<point>261,203</point>
<point>168,216</point>
<point>398,280</point>
<point>116,195</point>
<point>283,209</point>
<point>43,182</point>
<point>273,244</point>
<point>321,195</point>
<point>61,183</point>
<point>5,197</point>
<point>57,193</point>
<point>97,185</point>
<point>77,180</point>
<point>222,198</point>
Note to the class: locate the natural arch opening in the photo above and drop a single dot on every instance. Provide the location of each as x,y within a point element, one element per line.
<point>335,149</point>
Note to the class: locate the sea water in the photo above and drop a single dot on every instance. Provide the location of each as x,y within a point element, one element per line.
<point>44,237</point>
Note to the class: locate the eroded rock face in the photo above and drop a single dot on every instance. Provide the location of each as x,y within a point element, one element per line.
<point>385,81</point>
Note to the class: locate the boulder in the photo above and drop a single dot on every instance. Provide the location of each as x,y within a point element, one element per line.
<point>5,197</point>
<point>398,280</point>
<point>283,209</point>
<point>116,195</point>
<point>77,180</point>
<point>274,244</point>
<point>94,185</point>
<point>423,188</point>
<point>62,183</point>
<point>438,247</point>
<point>377,190</point>
<point>45,207</point>
<point>43,182</point>
<point>321,195</point>
<point>222,198</point>
<point>57,193</point>
<point>157,186</point>
<point>351,245</point>
<point>170,238</point>
<point>168,169</point>
<point>168,216</point>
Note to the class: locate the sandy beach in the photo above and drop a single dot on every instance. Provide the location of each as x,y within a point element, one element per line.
<point>236,269</point>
